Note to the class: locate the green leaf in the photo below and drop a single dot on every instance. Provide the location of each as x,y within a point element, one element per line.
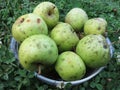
<point>31,74</point>
<point>22,73</point>
<point>26,82</point>
<point>1,86</point>
<point>82,88</point>
<point>17,78</point>
<point>97,79</point>
<point>85,84</point>
<point>99,86</point>
<point>68,86</point>
<point>92,84</point>
<point>5,77</point>
<point>40,88</point>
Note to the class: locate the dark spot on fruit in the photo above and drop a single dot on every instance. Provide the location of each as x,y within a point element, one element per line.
<point>72,66</point>
<point>23,32</point>
<point>25,62</point>
<point>92,60</point>
<point>99,28</point>
<point>22,19</point>
<point>20,41</point>
<point>27,36</point>
<point>52,46</point>
<point>38,20</point>
<point>28,20</point>
<point>90,41</point>
<point>50,51</point>
<point>96,52</point>
<point>38,45</point>
<point>61,69</point>
<point>49,13</point>
<point>45,46</point>
<point>105,46</point>
<point>64,31</point>
<point>72,30</point>
<point>99,42</point>
<point>51,10</point>
<point>53,7</point>
<point>62,59</point>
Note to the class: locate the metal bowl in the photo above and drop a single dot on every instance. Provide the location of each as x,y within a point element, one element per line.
<point>57,81</point>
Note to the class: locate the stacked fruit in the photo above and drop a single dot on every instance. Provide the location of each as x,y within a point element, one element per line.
<point>71,47</point>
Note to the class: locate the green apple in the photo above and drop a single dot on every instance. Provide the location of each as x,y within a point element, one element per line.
<point>94,50</point>
<point>49,12</point>
<point>37,50</point>
<point>64,36</point>
<point>27,25</point>
<point>95,26</point>
<point>70,66</point>
<point>76,17</point>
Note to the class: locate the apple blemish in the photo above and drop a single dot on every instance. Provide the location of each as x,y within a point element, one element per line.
<point>71,68</point>
<point>64,37</point>
<point>99,28</point>
<point>93,56</point>
<point>37,54</point>
<point>38,20</point>
<point>49,12</point>
<point>28,25</point>
<point>22,20</point>
<point>105,46</point>
<point>95,26</point>
<point>28,20</point>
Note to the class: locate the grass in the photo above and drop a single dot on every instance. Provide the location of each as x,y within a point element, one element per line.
<point>14,77</point>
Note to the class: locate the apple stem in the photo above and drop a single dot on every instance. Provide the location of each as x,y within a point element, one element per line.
<point>51,11</point>
<point>39,69</point>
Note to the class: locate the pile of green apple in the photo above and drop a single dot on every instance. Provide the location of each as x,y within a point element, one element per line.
<point>46,42</point>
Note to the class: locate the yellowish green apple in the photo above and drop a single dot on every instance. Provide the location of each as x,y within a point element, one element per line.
<point>27,25</point>
<point>76,17</point>
<point>49,12</point>
<point>94,50</point>
<point>64,36</point>
<point>95,26</point>
<point>70,66</point>
<point>36,51</point>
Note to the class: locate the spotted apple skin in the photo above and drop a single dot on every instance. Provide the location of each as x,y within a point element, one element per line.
<point>95,26</point>
<point>27,25</point>
<point>94,51</point>
<point>70,66</point>
<point>64,36</point>
<point>37,50</point>
<point>49,12</point>
<point>76,17</point>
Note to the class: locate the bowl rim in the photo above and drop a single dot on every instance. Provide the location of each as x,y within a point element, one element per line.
<point>62,83</point>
